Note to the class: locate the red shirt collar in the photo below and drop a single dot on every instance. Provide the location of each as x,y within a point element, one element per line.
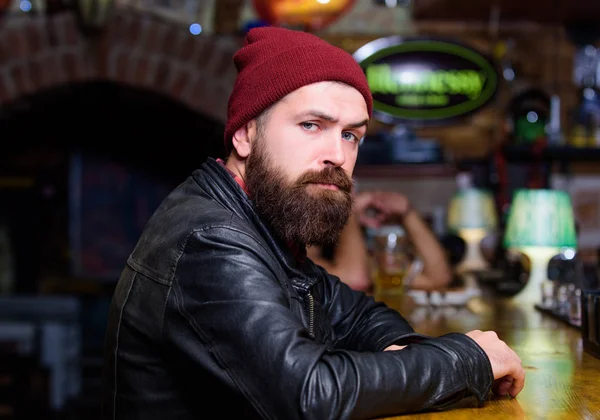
<point>239,180</point>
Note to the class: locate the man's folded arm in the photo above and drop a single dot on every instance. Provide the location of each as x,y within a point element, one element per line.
<point>235,306</point>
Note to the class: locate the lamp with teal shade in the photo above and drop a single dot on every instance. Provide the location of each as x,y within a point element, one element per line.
<point>472,216</point>
<point>540,225</point>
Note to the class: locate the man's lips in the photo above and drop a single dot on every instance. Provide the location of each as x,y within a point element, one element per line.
<point>326,186</point>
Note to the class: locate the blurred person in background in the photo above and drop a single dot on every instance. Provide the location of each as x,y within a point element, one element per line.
<point>349,258</point>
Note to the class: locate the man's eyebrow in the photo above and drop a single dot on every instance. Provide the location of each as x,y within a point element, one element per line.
<point>329,118</point>
<point>318,114</point>
<point>363,123</point>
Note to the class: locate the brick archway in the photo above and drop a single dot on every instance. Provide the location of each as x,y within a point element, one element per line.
<point>46,52</point>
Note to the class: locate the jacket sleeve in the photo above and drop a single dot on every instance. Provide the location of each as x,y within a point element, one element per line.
<point>361,323</point>
<point>236,306</point>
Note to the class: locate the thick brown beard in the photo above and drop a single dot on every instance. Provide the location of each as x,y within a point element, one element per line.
<point>293,213</point>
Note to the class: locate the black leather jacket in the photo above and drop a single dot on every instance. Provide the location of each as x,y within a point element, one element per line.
<point>213,317</point>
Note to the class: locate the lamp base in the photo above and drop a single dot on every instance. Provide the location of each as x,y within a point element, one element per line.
<point>473,259</point>
<point>539,258</point>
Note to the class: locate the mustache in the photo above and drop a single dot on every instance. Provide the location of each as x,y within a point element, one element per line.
<point>330,175</point>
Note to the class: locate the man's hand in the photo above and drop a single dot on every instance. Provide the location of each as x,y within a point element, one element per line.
<point>509,376</point>
<point>374,207</point>
<point>393,347</point>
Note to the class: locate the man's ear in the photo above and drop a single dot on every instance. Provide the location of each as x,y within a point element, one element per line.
<point>243,138</point>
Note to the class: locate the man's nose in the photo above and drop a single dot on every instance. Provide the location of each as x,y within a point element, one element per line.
<point>333,153</point>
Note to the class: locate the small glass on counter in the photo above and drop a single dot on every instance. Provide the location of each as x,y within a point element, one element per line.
<point>392,255</point>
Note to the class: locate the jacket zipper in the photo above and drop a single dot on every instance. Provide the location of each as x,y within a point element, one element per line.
<point>311,314</point>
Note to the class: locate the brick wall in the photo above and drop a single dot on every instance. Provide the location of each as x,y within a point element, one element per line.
<point>44,52</point>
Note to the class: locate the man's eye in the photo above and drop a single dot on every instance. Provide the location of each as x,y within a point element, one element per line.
<point>350,137</point>
<point>308,126</point>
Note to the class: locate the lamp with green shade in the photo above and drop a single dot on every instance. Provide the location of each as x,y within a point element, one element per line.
<point>540,225</point>
<point>472,216</point>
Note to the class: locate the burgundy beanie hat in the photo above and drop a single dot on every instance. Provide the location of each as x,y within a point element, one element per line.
<point>276,61</point>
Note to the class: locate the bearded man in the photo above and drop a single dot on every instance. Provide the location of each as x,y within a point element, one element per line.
<point>220,314</point>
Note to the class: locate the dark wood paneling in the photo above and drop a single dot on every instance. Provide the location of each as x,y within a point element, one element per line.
<point>536,10</point>
<point>405,171</point>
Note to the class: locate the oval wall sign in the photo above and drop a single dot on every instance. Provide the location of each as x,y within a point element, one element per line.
<point>422,80</point>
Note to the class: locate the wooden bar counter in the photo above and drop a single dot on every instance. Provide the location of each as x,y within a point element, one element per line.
<point>562,380</point>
